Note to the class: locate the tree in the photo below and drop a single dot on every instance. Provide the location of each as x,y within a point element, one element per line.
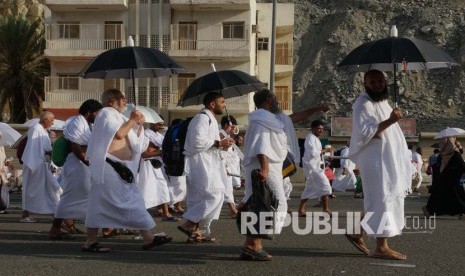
<point>22,66</point>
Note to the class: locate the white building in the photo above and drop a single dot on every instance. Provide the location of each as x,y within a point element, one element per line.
<point>231,34</point>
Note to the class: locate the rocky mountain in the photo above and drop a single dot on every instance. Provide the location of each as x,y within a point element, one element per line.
<point>327,30</point>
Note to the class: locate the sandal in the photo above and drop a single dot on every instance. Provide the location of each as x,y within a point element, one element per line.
<point>28,220</point>
<point>96,248</point>
<point>358,244</point>
<point>71,229</point>
<point>170,219</point>
<point>61,236</point>
<point>189,233</point>
<point>198,238</point>
<point>110,234</point>
<point>129,232</point>
<point>255,255</point>
<point>157,241</point>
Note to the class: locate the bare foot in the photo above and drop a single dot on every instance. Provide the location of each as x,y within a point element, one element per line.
<point>389,254</point>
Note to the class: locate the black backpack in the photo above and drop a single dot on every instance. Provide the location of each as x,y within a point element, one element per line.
<point>336,162</point>
<point>173,147</point>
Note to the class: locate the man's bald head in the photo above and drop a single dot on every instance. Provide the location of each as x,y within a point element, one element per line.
<point>46,119</point>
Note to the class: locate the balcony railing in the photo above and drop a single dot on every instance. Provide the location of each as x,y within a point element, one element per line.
<point>198,37</point>
<point>71,89</point>
<point>284,54</point>
<point>85,36</point>
<point>176,95</point>
<point>92,5</point>
<point>285,105</point>
<point>76,89</point>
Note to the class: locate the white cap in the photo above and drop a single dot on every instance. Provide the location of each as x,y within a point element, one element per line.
<point>328,147</point>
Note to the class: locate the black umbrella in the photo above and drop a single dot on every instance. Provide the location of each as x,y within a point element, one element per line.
<point>130,63</point>
<point>230,83</point>
<point>396,54</point>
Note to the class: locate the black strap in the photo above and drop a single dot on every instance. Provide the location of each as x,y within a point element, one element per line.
<point>124,172</point>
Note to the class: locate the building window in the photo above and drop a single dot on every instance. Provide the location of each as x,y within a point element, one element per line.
<point>154,42</point>
<point>166,43</point>
<point>233,30</point>
<point>68,81</point>
<point>283,96</point>
<point>183,82</point>
<point>142,96</point>
<point>69,29</point>
<point>283,54</point>
<point>262,43</point>
<point>143,40</point>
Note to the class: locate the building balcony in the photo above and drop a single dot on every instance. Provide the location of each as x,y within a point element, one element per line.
<point>82,40</point>
<point>238,105</point>
<point>210,5</point>
<point>70,92</point>
<point>210,42</point>
<point>86,5</point>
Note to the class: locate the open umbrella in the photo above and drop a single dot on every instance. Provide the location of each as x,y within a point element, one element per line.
<point>449,132</point>
<point>8,135</point>
<point>396,54</point>
<point>150,115</point>
<point>230,83</point>
<point>131,62</point>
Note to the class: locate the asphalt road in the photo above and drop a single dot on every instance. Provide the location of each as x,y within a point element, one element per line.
<point>25,249</point>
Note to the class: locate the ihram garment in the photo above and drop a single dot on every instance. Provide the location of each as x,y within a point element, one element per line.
<point>265,135</point>
<point>41,192</point>
<point>292,146</point>
<point>152,182</point>
<point>75,174</point>
<point>347,181</point>
<point>113,202</point>
<point>231,161</point>
<point>205,173</point>
<point>316,184</point>
<point>385,166</point>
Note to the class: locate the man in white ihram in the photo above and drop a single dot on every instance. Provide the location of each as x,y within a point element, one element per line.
<point>265,149</point>
<point>114,152</point>
<point>344,175</point>
<point>40,190</point>
<point>152,182</point>
<point>379,149</point>
<point>205,173</point>
<point>75,172</point>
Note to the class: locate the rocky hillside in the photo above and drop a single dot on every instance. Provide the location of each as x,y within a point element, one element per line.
<point>326,30</point>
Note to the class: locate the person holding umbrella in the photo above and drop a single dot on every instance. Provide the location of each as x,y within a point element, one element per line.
<point>114,152</point>
<point>379,149</point>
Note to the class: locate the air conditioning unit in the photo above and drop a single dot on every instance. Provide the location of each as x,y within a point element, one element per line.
<point>255,29</point>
